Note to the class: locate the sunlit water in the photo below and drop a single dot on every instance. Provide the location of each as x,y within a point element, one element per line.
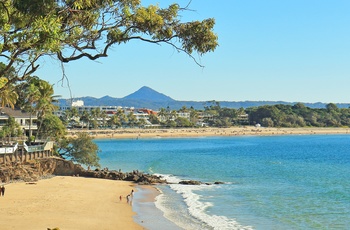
<point>272,182</point>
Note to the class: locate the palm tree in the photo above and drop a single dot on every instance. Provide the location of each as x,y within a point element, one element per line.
<point>8,96</point>
<point>183,109</point>
<point>162,114</point>
<point>95,115</point>
<point>45,104</point>
<point>122,117</point>
<point>85,118</point>
<point>37,97</point>
<point>30,96</point>
<point>141,122</point>
<point>71,115</point>
<point>114,121</point>
<point>173,115</point>
<point>193,116</point>
<point>132,119</point>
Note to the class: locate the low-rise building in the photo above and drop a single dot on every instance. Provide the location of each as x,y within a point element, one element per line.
<point>26,120</point>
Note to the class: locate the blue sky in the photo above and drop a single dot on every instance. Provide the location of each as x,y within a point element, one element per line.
<point>269,50</point>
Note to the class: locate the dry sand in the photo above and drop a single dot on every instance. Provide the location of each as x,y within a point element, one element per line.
<point>68,203</point>
<point>197,132</point>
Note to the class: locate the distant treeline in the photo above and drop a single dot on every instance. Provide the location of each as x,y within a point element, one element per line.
<point>299,115</point>
<point>279,115</point>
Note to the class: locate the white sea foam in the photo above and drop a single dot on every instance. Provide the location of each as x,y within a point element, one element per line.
<point>197,207</point>
<point>169,178</point>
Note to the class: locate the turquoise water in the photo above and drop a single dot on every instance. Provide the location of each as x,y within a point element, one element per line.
<point>272,182</point>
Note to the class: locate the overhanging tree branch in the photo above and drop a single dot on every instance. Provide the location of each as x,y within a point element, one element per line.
<point>72,30</point>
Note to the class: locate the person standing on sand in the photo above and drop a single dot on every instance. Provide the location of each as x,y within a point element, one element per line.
<point>2,191</point>
<point>120,198</point>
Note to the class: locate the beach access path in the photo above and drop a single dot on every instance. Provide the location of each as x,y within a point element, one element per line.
<point>67,203</point>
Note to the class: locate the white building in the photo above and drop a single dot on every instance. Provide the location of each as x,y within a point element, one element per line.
<point>26,120</point>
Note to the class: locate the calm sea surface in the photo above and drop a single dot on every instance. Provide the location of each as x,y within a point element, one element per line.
<point>272,182</point>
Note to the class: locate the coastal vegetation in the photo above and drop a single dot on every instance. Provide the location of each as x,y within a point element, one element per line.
<point>37,97</point>
<point>80,149</point>
<point>299,115</point>
<point>71,30</point>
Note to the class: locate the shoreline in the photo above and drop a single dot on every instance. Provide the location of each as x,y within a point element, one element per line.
<point>77,203</point>
<point>147,214</point>
<point>136,133</point>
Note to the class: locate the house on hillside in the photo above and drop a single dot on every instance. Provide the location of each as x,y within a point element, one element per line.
<point>27,121</point>
<point>16,149</point>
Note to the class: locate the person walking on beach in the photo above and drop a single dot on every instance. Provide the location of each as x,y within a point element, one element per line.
<point>127,198</point>
<point>2,191</point>
<point>120,198</point>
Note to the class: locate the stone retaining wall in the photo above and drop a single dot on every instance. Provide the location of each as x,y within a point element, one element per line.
<point>22,156</point>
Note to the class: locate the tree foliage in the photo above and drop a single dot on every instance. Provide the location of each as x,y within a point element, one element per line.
<point>73,29</point>
<point>299,115</point>
<point>51,127</point>
<point>11,129</point>
<point>218,116</point>
<point>37,95</point>
<point>8,94</point>
<point>80,149</point>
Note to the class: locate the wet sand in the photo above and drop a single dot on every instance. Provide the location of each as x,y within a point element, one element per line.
<point>148,215</point>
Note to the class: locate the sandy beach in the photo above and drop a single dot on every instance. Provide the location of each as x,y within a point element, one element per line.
<point>67,203</point>
<point>198,132</point>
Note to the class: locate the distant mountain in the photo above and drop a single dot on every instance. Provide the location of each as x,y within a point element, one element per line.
<point>146,97</point>
<point>147,94</point>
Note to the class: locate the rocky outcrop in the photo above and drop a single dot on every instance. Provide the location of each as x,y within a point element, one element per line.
<point>32,171</point>
<point>135,176</point>
<point>195,182</point>
<point>190,182</point>
<point>29,171</point>
<point>59,166</point>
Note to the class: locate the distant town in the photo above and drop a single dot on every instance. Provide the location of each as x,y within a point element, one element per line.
<point>26,136</point>
<point>77,115</point>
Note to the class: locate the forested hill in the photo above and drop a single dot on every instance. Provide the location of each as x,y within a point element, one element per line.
<point>146,97</point>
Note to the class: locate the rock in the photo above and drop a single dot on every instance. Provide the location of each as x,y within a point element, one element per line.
<point>219,182</point>
<point>190,182</point>
<point>32,171</point>
<point>36,169</point>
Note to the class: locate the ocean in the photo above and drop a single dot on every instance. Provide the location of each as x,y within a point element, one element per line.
<point>270,182</point>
